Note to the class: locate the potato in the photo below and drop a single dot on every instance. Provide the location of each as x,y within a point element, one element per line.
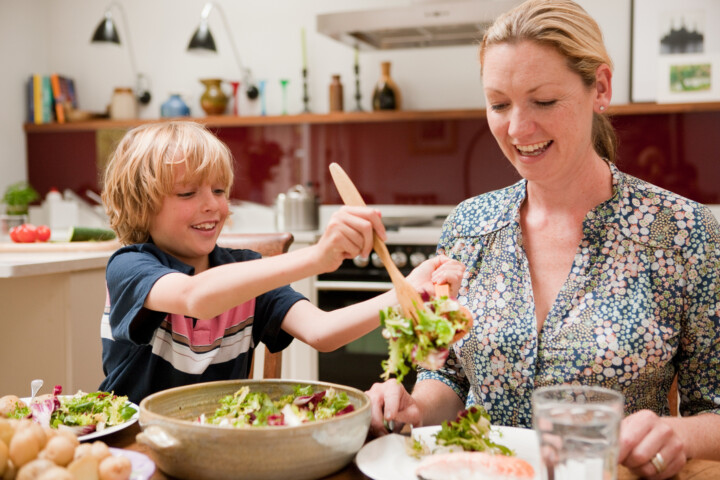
<point>115,467</point>
<point>8,404</point>
<point>37,430</point>
<point>33,469</point>
<point>83,450</point>
<point>56,473</point>
<point>85,467</point>
<point>4,455</point>
<point>59,449</point>
<point>6,431</point>
<point>100,450</point>
<point>24,447</point>
<point>10,471</point>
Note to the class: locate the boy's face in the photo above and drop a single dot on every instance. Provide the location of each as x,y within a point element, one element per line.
<point>190,220</point>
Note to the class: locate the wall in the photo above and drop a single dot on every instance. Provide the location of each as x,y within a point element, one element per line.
<point>53,35</point>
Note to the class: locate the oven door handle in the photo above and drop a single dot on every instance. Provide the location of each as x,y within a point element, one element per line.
<point>329,285</point>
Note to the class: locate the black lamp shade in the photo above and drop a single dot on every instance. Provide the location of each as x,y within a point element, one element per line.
<point>202,39</point>
<point>106,32</point>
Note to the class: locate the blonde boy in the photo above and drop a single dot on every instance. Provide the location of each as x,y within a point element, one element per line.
<point>181,309</point>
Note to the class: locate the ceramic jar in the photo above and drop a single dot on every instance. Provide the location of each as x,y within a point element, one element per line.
<point>123,105</point>
<point>386,95</point>
<point>336,94</point>
<point>174,107</point>
<point>213,100</point>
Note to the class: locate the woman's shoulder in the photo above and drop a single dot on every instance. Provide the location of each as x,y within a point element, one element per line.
<point>487,212</point>
<point>670,213</point>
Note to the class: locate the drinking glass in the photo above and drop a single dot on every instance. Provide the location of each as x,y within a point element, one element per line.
<point>578,429</point>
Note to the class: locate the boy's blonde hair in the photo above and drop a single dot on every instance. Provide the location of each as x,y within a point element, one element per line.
<point>141,172</point>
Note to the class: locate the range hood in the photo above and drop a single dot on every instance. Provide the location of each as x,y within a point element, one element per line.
<point>425,24</point>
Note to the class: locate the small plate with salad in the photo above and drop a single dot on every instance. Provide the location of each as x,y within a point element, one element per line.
<point>88,415</point>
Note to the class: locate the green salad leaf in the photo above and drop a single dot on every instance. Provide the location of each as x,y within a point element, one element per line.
<point>257,409</point>
<point>427,343</point>
<point>470,430</point>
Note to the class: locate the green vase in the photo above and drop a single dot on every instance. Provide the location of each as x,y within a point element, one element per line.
<point>213,100</point>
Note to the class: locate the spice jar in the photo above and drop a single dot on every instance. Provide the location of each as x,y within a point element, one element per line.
<point>123,105</point>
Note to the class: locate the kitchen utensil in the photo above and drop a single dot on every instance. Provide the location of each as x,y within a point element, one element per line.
<point>184,448</point>
<point>35,386</point>
<point>298,209</point>
<point>409,298</point>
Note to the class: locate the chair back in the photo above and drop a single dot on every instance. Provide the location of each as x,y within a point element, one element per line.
<point>267,245</point>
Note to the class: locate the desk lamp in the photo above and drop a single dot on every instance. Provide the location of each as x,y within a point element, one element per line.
<point>107,33</point>
<point>202,39</point>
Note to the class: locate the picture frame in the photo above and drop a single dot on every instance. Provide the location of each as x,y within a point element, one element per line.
<point>667,34</point>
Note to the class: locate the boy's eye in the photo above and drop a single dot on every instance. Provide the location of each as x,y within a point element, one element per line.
<point>219,191</point>
<point>185,194</point>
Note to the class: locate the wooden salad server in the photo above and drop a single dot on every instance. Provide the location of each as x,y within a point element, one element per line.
<point>409,298</point>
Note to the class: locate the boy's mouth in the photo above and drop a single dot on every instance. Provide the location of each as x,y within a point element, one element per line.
<point>534,149</point>
<point>207,226</point>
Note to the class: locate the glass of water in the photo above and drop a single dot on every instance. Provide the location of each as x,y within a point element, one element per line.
<point>578,428</point>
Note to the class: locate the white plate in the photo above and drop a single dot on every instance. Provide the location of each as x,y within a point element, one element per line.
<point>105,431</point>
<point>386,458</point>
<point>142,467</point>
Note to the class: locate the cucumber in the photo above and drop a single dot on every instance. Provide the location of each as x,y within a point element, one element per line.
<point>85,234</point>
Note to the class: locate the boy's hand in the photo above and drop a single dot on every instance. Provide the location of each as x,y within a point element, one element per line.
<point>349,234</point>
<point>437,270</point>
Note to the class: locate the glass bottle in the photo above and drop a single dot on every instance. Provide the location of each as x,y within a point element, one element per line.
<point>336,94</point>
<point>386,95</point>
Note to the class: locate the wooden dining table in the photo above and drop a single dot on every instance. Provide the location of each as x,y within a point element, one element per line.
<point>693,470</point>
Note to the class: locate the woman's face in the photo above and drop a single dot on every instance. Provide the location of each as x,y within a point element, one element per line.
<point>190,219</point>
<point>538,110</point>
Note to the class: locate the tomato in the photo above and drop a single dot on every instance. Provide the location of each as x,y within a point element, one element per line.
<point>14,234</point>
<point>43,233</point>
<point>26,233</point>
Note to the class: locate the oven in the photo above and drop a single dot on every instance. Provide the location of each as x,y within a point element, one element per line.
<point>413,233</point>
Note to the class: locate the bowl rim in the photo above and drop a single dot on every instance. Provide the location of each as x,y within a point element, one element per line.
<point>145,412</point>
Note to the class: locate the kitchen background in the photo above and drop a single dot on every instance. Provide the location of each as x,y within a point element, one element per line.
<point>44,36</point>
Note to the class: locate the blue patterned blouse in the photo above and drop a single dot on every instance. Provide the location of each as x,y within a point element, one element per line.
<point>641,302</point>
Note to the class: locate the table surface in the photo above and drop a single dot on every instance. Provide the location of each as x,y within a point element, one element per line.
<point>694,470</point>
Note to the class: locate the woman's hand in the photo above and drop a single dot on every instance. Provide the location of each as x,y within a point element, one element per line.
<point>650,447</point>
<point>392,405</point>
<point>349,233</point>
<point>437,270</point>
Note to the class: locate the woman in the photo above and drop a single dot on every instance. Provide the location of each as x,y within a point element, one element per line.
<point>578,273</point>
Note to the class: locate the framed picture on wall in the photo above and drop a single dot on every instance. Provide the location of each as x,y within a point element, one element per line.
<point>668,38</point>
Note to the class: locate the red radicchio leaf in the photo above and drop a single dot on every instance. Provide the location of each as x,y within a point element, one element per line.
<point>276,419</point>
<point>425,296</point>
<point>309,401</point>
<point>348,409</point>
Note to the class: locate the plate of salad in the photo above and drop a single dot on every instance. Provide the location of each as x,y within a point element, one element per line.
<point>396,457</point>
<point>88,415</point>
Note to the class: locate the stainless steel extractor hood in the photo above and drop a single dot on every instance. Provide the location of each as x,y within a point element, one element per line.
<point>426,24</point>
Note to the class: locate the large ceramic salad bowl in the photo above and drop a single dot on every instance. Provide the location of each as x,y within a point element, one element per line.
<point>185,448</point>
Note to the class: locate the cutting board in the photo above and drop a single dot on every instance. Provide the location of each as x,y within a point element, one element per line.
<point>40,247</point>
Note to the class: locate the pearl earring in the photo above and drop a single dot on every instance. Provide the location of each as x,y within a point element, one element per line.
<point>602,108</point>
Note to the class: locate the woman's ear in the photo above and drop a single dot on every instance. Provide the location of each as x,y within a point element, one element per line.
<point>603,88</point>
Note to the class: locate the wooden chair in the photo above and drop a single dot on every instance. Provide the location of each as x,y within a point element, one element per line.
<point>267,245</point>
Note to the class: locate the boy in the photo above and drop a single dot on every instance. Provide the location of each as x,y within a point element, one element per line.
<point>181,309</point>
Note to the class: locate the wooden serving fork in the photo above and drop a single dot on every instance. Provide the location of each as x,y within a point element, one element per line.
<point>409,298</point>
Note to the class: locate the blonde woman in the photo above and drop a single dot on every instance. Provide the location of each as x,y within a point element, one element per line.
<point>578,273</point>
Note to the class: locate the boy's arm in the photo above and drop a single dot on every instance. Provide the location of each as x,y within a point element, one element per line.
<point>327,331</point>
<point>218,289</point>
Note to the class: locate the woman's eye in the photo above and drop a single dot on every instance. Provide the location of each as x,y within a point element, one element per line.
<point>497,107</point>
<point>548,103</point>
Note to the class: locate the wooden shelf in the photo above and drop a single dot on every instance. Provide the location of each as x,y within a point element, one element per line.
<point>221,121</point>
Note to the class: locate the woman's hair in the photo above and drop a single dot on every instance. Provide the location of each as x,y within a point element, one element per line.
<point>565,26</point>
<point>141,172</point>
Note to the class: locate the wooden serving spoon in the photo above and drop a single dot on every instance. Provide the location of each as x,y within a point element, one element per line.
<point>409,298</point>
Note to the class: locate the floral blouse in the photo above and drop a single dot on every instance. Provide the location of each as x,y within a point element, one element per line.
<point>641,302</point>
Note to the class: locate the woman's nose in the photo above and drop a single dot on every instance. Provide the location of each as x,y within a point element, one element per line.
<point>521,123</point>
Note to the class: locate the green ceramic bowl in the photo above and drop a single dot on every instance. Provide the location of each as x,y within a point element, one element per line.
<point>186,449</point>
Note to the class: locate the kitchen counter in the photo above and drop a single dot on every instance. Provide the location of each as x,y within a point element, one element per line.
<point>13,265</point>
